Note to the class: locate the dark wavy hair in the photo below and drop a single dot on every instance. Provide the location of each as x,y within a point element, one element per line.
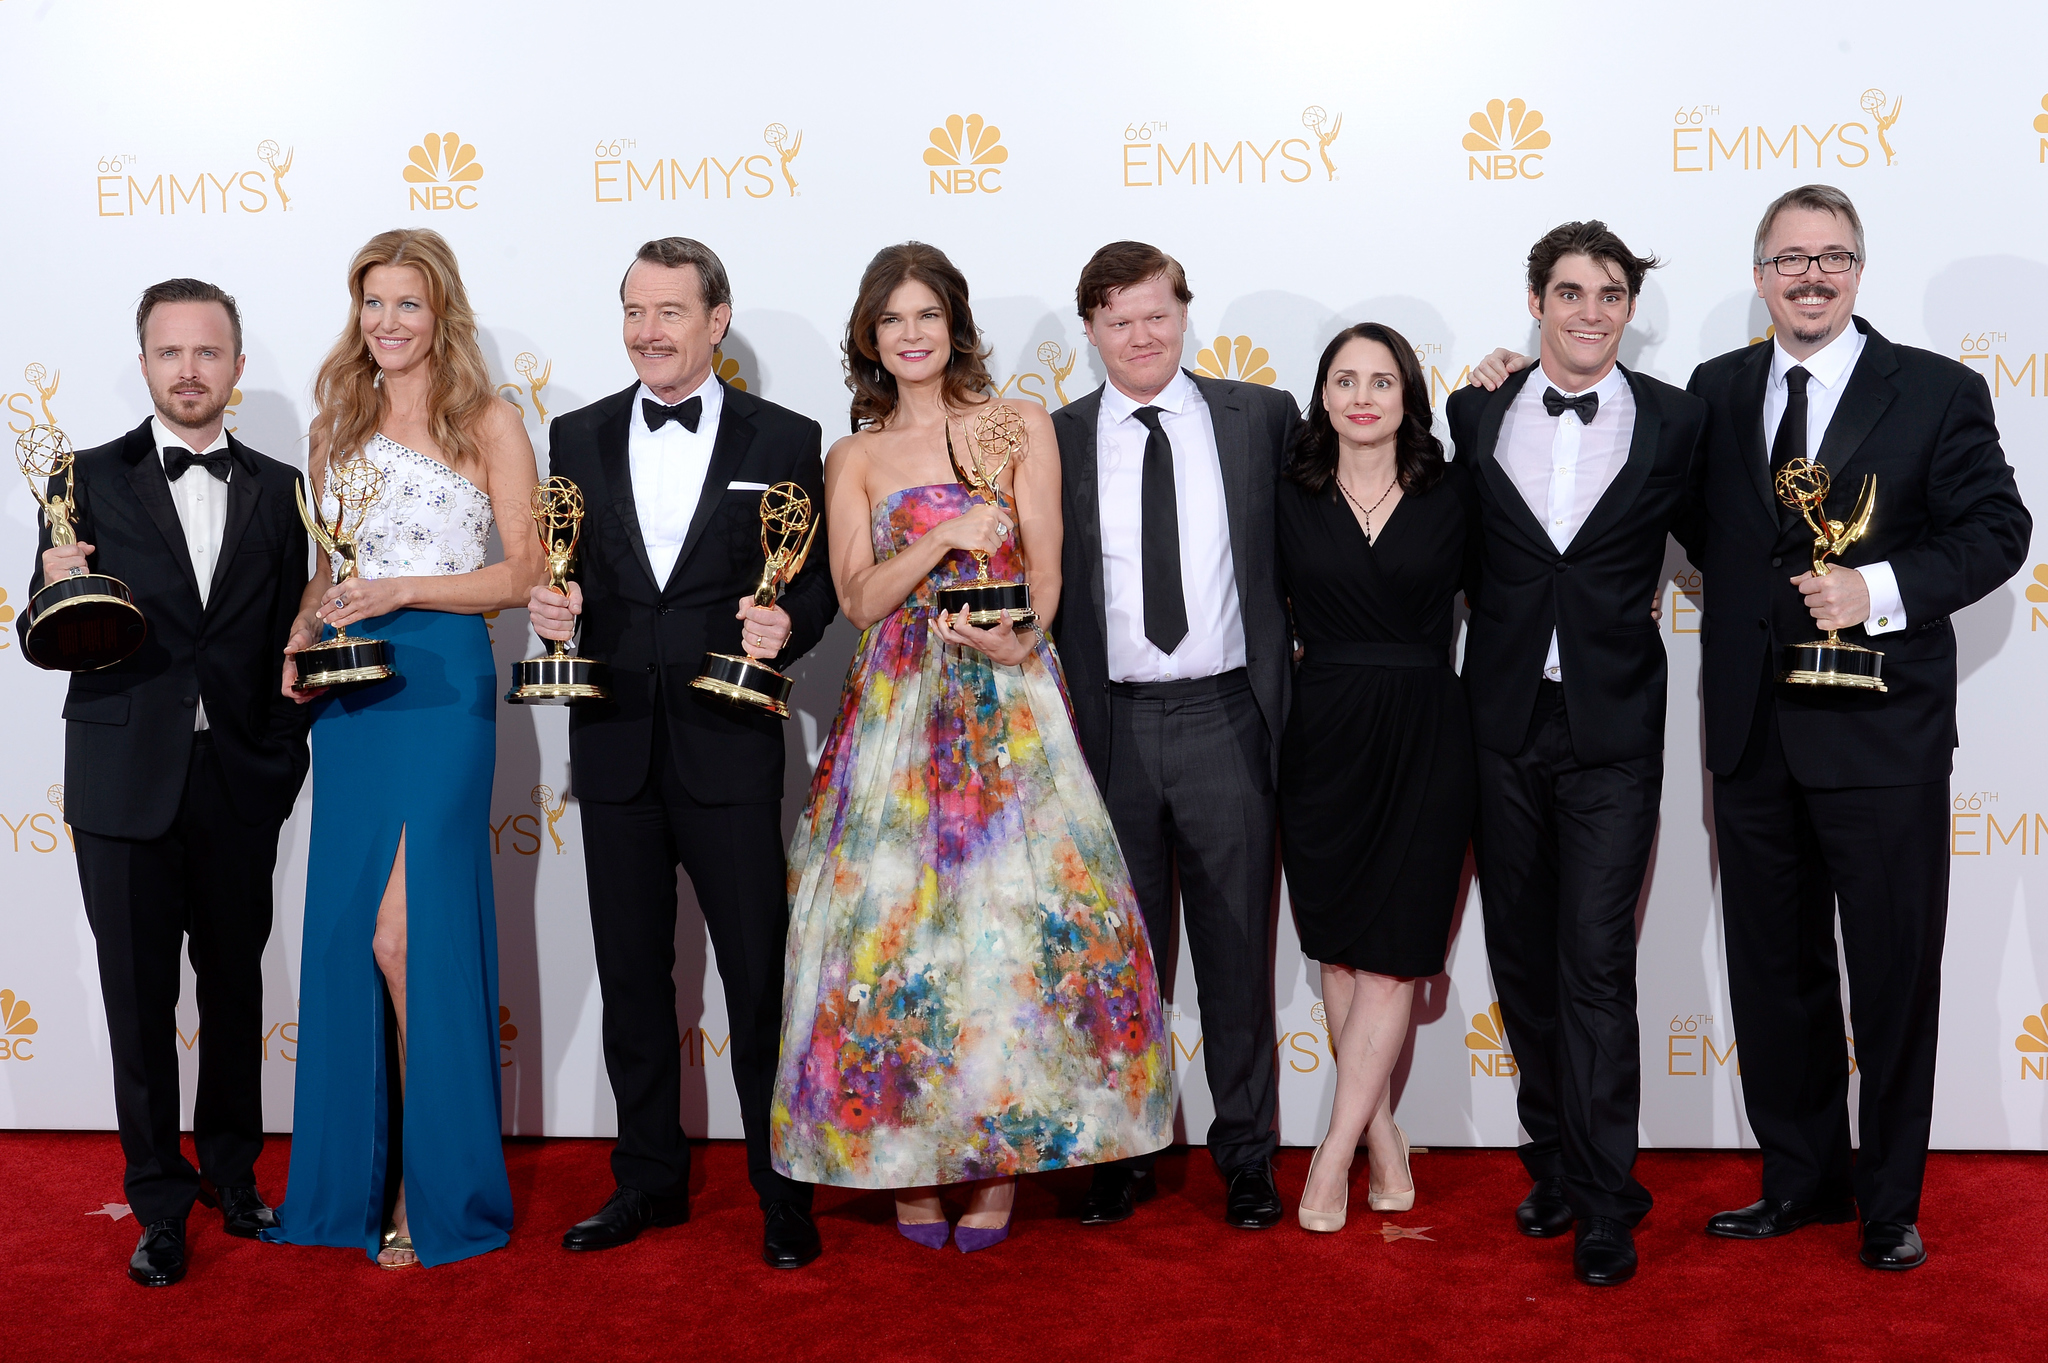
<point>1418,454</point>
<point>872,385</point>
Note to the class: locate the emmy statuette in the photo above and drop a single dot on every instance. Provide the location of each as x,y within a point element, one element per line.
<point>355,485</point>
<point>787,529</point>
<point>558,677</point>
<point>1803,486</point>
<point>998,437</point>
<point>87,620</point>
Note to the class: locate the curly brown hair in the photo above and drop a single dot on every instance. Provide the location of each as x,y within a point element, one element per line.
<point>872,385</point>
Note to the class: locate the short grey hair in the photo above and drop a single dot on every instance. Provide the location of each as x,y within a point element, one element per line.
<point>676,252</point>
<point>1820,198</point>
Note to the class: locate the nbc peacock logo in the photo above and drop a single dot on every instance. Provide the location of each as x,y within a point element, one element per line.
<point>1236,358</point>
<point>2031,1043</point>
<point>2041,127</point>
<point>507,1034</point>
<point>2037,596</point>
<point>1511,137</point>
<point>966,153</point>
<point>6,616</point>
<point>1488,1043</point>
<point>17,1028</point>
<point>443,171</point>
<point>728,370</point>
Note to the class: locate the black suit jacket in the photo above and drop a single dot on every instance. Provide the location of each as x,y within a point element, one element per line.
<point>1596,594</point>
<point>1253,426</point>
<point>128,728</point>
<point>655,635</point>
<point>1948,519</point>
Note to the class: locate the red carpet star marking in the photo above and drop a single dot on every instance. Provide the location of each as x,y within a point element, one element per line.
<point>1394,1232</point>
<point>113,1211</point>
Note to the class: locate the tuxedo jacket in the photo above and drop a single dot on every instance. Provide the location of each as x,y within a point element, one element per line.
<point>1948,518</point>
<point>1254,426</point>
<point>1596,592</point>
<point>655,634</point>
<point>128,728</point>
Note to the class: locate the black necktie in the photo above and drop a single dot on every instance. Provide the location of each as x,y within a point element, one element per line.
<point>1585,404</point>
<point>177,459</point>
<point>1790,442</point>
<point>1166,605</point>
<point>688,411</point>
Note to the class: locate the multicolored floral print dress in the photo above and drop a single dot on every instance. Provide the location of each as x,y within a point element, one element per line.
<point>969,991</point>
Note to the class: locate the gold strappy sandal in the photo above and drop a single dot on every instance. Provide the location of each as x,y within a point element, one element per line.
<point>397,1243</point>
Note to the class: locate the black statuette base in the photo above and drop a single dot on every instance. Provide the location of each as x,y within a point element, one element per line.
<point>559,679</point>
<point>985,603</point>
<point>82,624</point>
<point>1832,663</point>
<point>344,662</point>
<point>745,681</point>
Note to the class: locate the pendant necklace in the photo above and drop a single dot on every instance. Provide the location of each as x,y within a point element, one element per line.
<point>1368,510</point>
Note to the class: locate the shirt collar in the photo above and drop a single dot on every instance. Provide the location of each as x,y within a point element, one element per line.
<point>1826,366</point>
<point>1608,388</point>
<point>164,439</point>
<point>1171,398</point>
<point>711,390</point>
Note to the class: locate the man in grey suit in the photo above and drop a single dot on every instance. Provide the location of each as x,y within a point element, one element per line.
<point>1174,637</point>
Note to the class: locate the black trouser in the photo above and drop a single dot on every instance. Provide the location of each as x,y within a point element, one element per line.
<point>1191,790</point>
<point>733,856</point>
<point>1789,855</point>
<point>207,878</point>
<point>1562,848</point>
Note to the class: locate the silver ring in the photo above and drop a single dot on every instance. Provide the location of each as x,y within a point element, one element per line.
<point>341,600</point>
<point>76,572</point>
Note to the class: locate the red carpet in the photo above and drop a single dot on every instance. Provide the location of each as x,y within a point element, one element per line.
<point>1174,1283</point>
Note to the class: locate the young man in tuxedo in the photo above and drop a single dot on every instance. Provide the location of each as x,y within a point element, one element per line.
<point>672,470</point>
<point>1582,467</point>
<point>1829,799</point>
<point>181,762</point>
<point>1175,641</point>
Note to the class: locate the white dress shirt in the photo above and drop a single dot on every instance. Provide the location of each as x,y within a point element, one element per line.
<point>201,501</point>
<point>668,468</point>
<point>1562,466</point>
<point>1828,371</point>
<point>1214,642</point>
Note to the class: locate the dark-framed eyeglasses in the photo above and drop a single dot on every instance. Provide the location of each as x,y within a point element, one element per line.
<point>1830,262</point>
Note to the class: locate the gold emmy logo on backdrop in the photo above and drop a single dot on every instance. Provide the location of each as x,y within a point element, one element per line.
<point>728,370</point>
<point>1872,103</point>
<point>1512,134</point>
<point>558,676</point>
<point>963,144</point>
<point>527,365</point>
<point>2032,1040</point>
<point>16,1027</point>
<point>787,529</point>
<point>234,401</point>
<point>507,1034</point>
<point>1488,1042</point>
<point>1317,121</point>
<point>83,621</point>
<point>448,167</point>
<point>777,136</point>
<point>237,189</point>
<point>543,799</point>
<point>1050,355</point>
<point>45,383</point>
<point>268,152</point>
<point>1215,361</point>
<point>997,438</point>
<point>1803,486</point>
<point>354,485</point>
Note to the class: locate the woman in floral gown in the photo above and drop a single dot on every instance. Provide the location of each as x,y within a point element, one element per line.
<point>969,992</point>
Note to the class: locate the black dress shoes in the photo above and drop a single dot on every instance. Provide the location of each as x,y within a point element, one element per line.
<point>1603,1252</point>
<point>1770,1218</point>
<point>789,1239</point>
<point>1544,1213</point>
<point>1253,1202</point>
<point>624,1215</point>
<point>243,1212</point>
<point>160,1255</point>
<point>1114,1194</point>
<point>1893,1245</point>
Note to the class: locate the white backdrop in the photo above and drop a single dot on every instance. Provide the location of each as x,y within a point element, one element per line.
<point>1311,164</point>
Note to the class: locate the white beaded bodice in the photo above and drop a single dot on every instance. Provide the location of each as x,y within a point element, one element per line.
<point>430,522</point>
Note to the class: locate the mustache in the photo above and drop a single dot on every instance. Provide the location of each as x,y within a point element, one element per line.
<point>1808,286</point>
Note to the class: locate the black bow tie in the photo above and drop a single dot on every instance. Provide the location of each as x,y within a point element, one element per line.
<point>1585,404</point>
<point>177,459</point>
<point>688,411</point>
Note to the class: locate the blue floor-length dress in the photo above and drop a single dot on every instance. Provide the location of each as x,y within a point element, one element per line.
<point>416,754</point>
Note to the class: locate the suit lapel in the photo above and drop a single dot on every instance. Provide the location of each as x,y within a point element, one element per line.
<point>1870,391</point>
<point>153,490</point>
<point>1233,441</point>
<point>1620,495</point>
<point>614,436</point>
<point>243,494</point>
<point>1081,473</point>
<point>1748,401</point>
<point>728,451</point>
<point>1489,467</point>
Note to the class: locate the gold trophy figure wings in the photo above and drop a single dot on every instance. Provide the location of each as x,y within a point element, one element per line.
<point>1804,486</point>
<point>997,438</point>
<point>558,676</point>
<point>788,526</point>
<point>354,486</point>
<point>83,621</point>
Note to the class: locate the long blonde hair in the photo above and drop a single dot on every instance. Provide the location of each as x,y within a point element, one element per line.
<point>346,393</point>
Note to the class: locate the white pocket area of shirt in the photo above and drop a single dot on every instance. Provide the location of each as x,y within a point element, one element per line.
<point>746,487</point>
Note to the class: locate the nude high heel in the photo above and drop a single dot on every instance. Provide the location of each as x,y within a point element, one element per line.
<point>1394,1202</point>
<point>1324,1223</point>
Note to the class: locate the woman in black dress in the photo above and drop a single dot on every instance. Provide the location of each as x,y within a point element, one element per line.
<point>1376,767</point>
